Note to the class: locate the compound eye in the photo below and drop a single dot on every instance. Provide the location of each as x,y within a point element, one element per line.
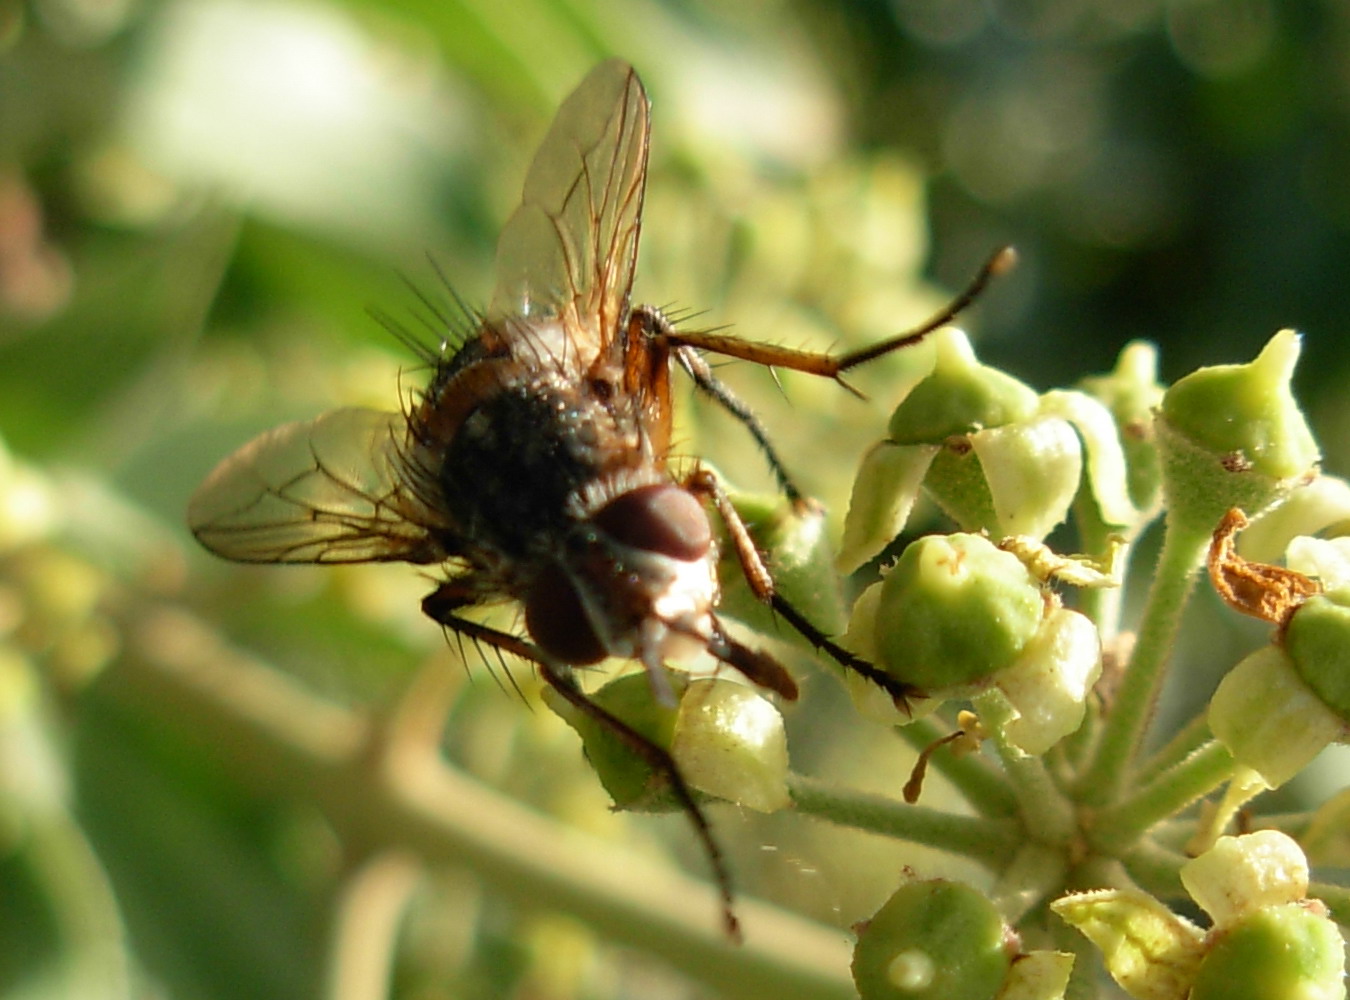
<point>661,518</point>
<point>557,621</point>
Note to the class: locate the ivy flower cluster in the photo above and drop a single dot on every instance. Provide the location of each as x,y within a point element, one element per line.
<point>1035,697</point>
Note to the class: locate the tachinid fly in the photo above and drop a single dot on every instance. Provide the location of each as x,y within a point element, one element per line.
<point>535,465</point>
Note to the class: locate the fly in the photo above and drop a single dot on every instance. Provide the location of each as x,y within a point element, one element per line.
<point>535,465</point>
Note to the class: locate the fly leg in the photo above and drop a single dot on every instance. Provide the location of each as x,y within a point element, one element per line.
<point>832,365</point>
<point>701,372</point>
<point>757,576</point>
<point>441,604</point>
<point>685,345</point>
<point>663,339</point>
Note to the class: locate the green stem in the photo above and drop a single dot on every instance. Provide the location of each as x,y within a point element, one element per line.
<point>1118,826</point>
<point>982,786</point>
<point>1185,742</point>
<point>1183,551</point>
<point>1066,757</point>
<point>1034,874</point>
<point>83,908</point>
<point>992,843</point>
<point>1101,604</point>
<point>1337,898</point>
<point>1155,869</point>
<point>1293,823</point>
<point>1043,808</point>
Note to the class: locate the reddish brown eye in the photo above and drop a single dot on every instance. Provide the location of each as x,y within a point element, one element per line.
<point>660,518</point>
<point>557,621</point>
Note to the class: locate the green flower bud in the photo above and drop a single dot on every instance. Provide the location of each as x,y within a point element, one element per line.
<point>727,741</point>
<point>1131,392</point>
<point>730,743</point>
<point>1248,411</point>
<point>1291,951</point>
<point>953,611</point>
<point>1240,875</point>
<point>1268,940</point>
<point>1150,951</point>
<point>1318,643</point>
<point>1268,718</point>
<point>939,940</point>
<point>1233,436</point>
<point>961,396</point>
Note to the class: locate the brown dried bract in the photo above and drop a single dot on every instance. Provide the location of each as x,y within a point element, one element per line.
<point>1271,593</point>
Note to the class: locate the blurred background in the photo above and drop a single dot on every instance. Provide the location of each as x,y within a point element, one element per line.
<point>199,203</point>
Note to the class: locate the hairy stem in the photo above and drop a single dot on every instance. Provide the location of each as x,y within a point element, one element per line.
<point>990,842</point>
<point>1042,807</point>
<point>1123,728</point>
<point>1118,826</point>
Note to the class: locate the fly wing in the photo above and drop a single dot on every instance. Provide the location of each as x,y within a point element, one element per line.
<point>326,490</point>
<point>570,248</point>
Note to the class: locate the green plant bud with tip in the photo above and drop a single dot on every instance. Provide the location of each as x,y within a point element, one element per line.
<point>727,740</point>
<point>1002,465</point>
<point>953,611</point>
<point>940,940</point>
<point>961,396</point>
<point>1233,436</point>
<point>979,443</point>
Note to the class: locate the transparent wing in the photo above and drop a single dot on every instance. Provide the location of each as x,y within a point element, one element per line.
<point>570,248</point>
<point>326,490</point>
